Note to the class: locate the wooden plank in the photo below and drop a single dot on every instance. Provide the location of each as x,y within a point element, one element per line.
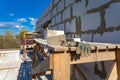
<point>55,40</point>
<point>118,62</point>
<point>35,57</point>
<point>62,48</point>
<point>96,57</point>
<point>100,44</point>
<point>113,75</point>
<point>51,61</point>
<point>40,41</point>
<point>61,70</point>
<point>51,33</point>
<point>92,44</point>
<point>43,66</point>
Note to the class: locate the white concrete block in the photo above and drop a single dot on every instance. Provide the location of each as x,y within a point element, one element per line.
<point>54,12</point>
<point>68,2</point>
<point>77,35</point>
<point>55,2</point>
<point>51,5</point>
<point>53,21</point>
<point>112,15</point>
<point>55,28</point>
<point>58,18</point>
<point>61,27</point>
<point>90,21</point>
<point>47,10</point>
<point>68,36</point>
<point>98,38</point>
<point>71,26</point>
<point>96,3</point>
<point>48,16</point>
<point>49,25</point>
<point>44,13</point>
<point>108,37</point>
<point>72,36</point>
<point>51,28</point>
<point>61,6</point>
<point>44,20</point>
<point>79,8</point>
<point>86,37</point>
<point>66,13</point>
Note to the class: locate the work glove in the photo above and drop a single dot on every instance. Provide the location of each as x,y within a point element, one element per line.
<point>83,49</point>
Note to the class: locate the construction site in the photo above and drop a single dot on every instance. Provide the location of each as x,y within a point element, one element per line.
<point>73,40</point>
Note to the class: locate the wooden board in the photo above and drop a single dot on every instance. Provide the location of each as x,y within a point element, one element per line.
<point>51,33</point>
<point>55,40</point>
<point>43,66</point>
<point>113,75</point>
<point>118,62</point>
<point>61,70</point>
<point>96,57</point>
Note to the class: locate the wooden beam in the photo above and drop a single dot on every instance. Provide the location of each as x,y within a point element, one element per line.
<point>92,44</point>
<point>113,74</point>
<point>51,61</point>
<point>118,62</point>
<point>61,70</point>
<point>35,57</point>
<point>43,66</point>
<point>96,57</point>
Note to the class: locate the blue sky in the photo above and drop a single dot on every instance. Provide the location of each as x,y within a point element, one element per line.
<point>17,14</point>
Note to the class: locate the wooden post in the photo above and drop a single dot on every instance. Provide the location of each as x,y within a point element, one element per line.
<point>73,72</point>
<point>61,68</point>
<point>118,62</point>
<point>34,55</point>
<point>25,52</point>
<point>113,73</point>
<point>35,58</point>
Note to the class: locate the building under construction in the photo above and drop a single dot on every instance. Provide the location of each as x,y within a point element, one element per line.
<point>80,40</point>
<point>75,40</point>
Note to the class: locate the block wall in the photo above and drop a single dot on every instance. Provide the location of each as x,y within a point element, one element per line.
<point>90,20</point>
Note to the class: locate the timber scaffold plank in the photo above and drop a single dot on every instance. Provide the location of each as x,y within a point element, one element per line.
<point>60,58</point>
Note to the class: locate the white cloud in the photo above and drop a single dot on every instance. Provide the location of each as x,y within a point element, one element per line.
<point>11,25</point>
<point>32,21</point>
<point>22,20</point>
<point>19,26</point>
<point>11,14</point>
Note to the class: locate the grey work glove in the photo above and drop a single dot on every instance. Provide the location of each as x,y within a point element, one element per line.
<point>83,49</point>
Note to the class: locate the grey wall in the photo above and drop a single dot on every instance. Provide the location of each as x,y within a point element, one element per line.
<point>92,20</point>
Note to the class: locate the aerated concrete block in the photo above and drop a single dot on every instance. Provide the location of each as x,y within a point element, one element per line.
<point>112,16</point>
<point>71,26</point>
<point>90,21</point>
<point>61,6</point>
<point>66,13</point>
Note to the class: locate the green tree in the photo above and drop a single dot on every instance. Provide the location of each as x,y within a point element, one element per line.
<point>9,33</point>
<point>1,40</point>
<point>10,41</point>
<point>21,33</point>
